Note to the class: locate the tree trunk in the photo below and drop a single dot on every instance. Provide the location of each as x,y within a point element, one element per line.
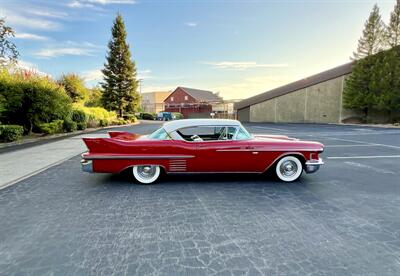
<point>120,112</point>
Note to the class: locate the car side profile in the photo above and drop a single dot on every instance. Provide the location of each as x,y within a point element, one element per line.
<point>201,146</point>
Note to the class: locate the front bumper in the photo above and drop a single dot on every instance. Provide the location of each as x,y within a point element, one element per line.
<point>313,165</point>
<point>87,165</point>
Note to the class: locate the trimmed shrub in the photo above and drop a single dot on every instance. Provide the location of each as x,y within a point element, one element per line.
<point>31,100</point>
<point>92,122</point>
<point>147,116</point>
<point>177,115</point>
<point>52,128</point>
<point>79,116</point>
<point>81,125</point>
<point>69,125</point>
<point>10,133</point>
<point>103,122</point>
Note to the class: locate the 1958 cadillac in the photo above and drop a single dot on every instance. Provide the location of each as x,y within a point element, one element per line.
<point>200,146</point>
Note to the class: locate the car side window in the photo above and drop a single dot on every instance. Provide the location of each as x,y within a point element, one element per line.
<point>207,133</point>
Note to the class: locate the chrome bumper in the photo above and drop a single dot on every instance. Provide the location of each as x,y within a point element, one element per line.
<point>313,165</point>
<point>87,165</point>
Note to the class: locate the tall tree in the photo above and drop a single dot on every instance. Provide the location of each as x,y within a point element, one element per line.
<point>8,50</point>
<point>74,86</point>
<point>393,28</point>
<point>371,41</point>
<point>120,84</point>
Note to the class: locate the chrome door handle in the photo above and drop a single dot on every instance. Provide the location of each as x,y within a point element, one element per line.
<point>254,152</point>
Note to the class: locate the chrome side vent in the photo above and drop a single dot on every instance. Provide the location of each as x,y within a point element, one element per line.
<point>177,165</point>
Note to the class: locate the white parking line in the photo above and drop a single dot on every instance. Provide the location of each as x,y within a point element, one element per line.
<point>343,146</point>
<point>365,143</point>
<point>363,157</point>
<point>273,128</point>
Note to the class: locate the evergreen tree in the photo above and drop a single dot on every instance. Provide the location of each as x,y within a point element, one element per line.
<point>393,28</point>
<point>371,41</point>
<point>8,50</point>
<point>120,84</point>
<point>357,93</point>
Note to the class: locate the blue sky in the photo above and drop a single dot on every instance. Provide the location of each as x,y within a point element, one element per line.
<point>236,47</point>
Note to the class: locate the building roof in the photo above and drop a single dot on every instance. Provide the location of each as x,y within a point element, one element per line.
<point>174,125</point>
<point>201,95</point>
<point>297,85</point>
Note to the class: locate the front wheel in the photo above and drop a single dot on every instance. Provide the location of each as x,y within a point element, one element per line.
<point>289,168</point>
<point>146,174</point>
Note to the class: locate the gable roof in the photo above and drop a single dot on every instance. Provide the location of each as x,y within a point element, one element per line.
<point>297,85</point>
<point>201,95</point>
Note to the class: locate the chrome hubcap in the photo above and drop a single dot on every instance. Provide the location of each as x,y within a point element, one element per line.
<point>288,168</point>
<point>146,171</point>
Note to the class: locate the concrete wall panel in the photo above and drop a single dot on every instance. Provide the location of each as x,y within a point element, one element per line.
<point>263,112</point>
<point>291,107</point>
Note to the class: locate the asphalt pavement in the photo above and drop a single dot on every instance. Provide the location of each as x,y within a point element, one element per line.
<point>342,220</point>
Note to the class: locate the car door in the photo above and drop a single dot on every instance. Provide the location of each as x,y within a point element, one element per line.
<point>223,154</point>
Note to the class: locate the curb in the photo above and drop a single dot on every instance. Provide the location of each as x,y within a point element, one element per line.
<point>55,137</point>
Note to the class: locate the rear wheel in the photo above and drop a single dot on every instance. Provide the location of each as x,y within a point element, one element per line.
<point>146,174</point>
<point>289,168</point>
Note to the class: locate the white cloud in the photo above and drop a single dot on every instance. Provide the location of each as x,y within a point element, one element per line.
<point>242,65</point>
<point>30,36</point>
<point>25,65</point>
<point>91,3</point>
<point>15,19</point>
<point>64,51</point>
<point>144,74</point>
<point>47,13</point>
<point>191,24</point>
<point>92,75</point>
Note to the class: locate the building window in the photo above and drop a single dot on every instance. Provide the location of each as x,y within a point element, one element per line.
<point>186,98</point>
<point>172,99</point>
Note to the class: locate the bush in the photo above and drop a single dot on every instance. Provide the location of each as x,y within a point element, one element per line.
<point>79,116</point>
<point>52,128</point>
<point>69,125</point>
<point>92,122</point>
<point>130,118</point>
<point>103,122</point>
<point>177,115</point>
<point>147,116</point>
<point>31,100</point>
<point>81,126</point>
<point>10,133</point>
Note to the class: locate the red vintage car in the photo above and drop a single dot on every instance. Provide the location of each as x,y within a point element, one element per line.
<point>201,146</point>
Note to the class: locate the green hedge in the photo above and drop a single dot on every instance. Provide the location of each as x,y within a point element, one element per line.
<point>10,133</point>
<point>177,115</point>
<point>147,116</point>
<point>52,128</point>
<point>69,125</point>
<point>30,100</point>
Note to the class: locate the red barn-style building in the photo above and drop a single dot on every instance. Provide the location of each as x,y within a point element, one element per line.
<point>192,103</point>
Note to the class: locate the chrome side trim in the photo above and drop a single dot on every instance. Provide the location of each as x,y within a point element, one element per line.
<point>146,157</point>
<point>270,149</point>
<point>87,166</point>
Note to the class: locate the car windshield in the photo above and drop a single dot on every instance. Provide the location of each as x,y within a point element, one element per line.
<point>160,134</point>
<point>243,134</point>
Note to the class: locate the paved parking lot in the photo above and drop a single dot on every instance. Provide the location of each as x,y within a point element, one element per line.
<point>343,220</point>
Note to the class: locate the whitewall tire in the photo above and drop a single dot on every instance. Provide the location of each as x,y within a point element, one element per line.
<point>146,174</point>
<point>289,168</point>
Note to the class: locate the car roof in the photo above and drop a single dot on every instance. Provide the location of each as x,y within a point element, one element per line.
<point>178,124</point>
